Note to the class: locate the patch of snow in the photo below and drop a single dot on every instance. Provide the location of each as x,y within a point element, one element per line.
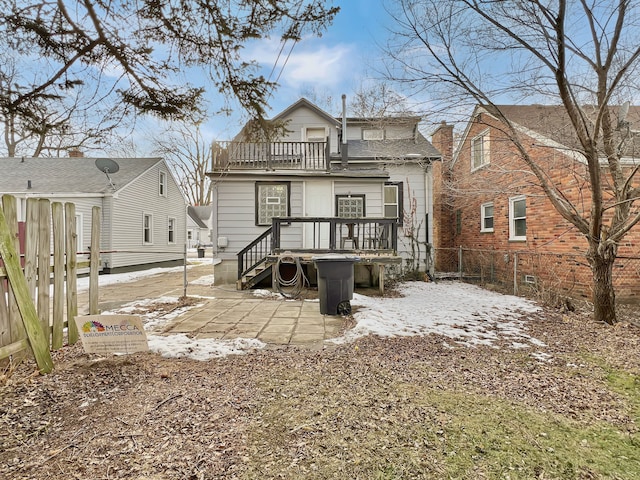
<point>263,293</point>
<point>180,345</point>
<point>207,280</point>
<point>541,356</point>
<point>465,313</point>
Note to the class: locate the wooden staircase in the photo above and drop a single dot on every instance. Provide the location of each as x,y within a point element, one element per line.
<point>252,267</point>
<point>254,276</point>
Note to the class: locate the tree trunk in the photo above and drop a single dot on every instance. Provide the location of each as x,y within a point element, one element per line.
<point>604,297</point>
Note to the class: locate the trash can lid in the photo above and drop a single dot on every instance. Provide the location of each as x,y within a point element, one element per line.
<point>335,257</point>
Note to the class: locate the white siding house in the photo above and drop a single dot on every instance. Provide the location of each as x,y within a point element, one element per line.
<point>380,174</point>
<point>141,190</point>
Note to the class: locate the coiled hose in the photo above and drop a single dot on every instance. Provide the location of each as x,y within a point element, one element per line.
<point>295,283</point>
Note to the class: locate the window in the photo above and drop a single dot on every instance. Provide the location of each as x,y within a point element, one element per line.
<point>171,230</point>
<point>162,184</point>
<point>373,134</point>
<point>316,134</point>
<point>480,150</point>
<point>517,218</point>
<point>486,215</point>
<point>147,228</point>
<point>392,201</point>
<point>350,206</point>
<point>272,200</point>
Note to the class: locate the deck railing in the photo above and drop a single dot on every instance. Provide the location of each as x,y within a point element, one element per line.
<point>370,235</point>
<point>255,253</point>
<point>271,156</point>
<point>323,235</point>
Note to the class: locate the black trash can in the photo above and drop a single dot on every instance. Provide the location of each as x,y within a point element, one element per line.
<point>200,252</point>
<point>335,283</point>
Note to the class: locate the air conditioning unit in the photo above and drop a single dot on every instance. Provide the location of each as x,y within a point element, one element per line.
<point>223,242</point>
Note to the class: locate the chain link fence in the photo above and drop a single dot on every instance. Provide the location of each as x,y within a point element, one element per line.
<point>547,277</point>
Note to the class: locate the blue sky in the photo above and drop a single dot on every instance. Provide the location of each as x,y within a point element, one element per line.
<point>336,63</point>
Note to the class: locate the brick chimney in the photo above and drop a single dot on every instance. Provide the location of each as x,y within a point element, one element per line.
<point>442,139</point>
<point>75,153</point>
<point>443,215</point>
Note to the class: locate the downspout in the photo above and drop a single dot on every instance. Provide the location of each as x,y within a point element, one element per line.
<point>345,154</point>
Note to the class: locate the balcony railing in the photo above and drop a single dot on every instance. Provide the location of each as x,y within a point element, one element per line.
<point>271,156</point>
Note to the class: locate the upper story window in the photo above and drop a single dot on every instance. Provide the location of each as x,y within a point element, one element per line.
<point>315,134</point>
<point>480,150</point>
<point>162,184</point>
<point>518,218</point>
<point>372,134</point>
<point>272,200</point>
<point>486,215</point>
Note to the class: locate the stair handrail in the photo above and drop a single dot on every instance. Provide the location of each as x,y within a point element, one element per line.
<point>255,253</point>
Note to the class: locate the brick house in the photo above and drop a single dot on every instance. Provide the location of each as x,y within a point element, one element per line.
<point>488,203</point>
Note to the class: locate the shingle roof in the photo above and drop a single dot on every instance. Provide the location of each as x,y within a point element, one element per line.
<point>402,148</point>
<point>74,175</point>
<point>552,122</point>
<point>199,213</point>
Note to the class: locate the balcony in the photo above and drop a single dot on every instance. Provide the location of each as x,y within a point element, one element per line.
<point>308,156</point>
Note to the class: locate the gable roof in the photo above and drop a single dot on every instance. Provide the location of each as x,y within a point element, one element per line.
<point>70,175</point>
<point>195,214</point>
<point>303,102</point>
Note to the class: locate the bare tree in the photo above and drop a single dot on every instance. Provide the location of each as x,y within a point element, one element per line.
<point>583,55</point>
<point>378,100</point>
<point>142,51</point>
<point>189,156</point>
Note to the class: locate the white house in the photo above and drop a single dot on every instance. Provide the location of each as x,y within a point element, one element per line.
<point>199,224</point>
<point>143,211</point>
<point>358,185</point>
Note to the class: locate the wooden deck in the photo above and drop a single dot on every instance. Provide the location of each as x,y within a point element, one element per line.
<point>379,261</point>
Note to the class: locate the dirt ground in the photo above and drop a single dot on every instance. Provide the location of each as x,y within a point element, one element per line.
<point>147,417</point>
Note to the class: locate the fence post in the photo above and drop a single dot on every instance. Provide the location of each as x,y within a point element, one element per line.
<point>16,329</point>
<point>37,339</point>
<point>94,260</point>
<point>460,262</point>
<point>71,267</point>
<point>58,275</point>
<point>184,274</point>
<point>515,273</point>
<point>44,261</point>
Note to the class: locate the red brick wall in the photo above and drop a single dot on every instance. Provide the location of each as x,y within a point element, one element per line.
<point>508,176</point>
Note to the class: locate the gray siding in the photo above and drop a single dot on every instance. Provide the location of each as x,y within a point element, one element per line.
<point>237,216</point>
<point>303,118</point>
<point>414,194</point>
<point>371,190</point>
<point>126,229</point>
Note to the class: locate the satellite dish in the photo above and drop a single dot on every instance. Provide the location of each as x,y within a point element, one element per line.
<point>107,165</point>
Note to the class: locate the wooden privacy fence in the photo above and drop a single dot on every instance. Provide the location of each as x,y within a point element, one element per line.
<point>38,277</point>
